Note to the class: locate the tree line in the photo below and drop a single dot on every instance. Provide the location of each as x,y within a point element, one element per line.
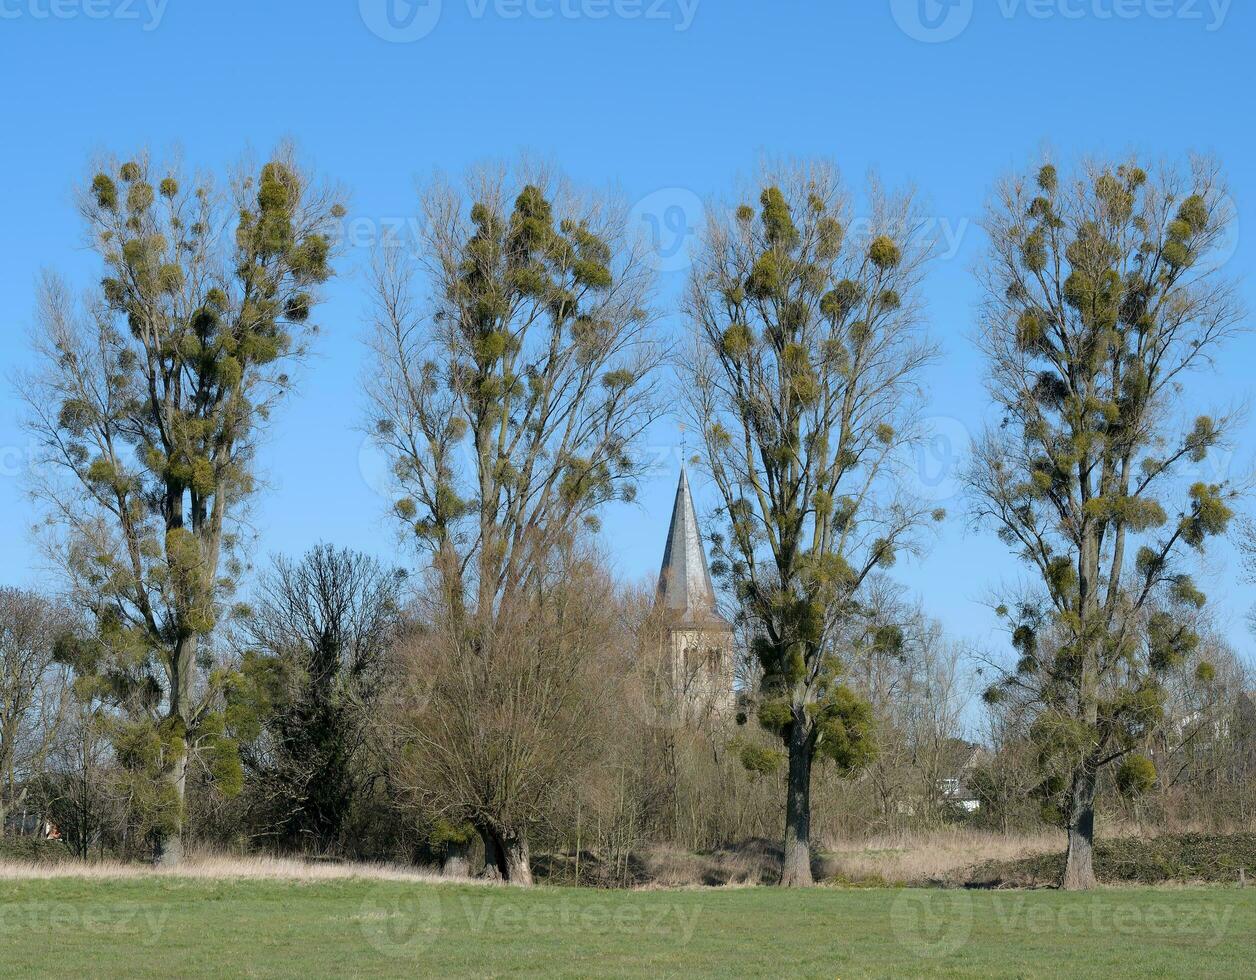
<point>500,699</point>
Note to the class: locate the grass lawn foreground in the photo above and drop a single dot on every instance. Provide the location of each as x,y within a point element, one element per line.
<point>163,926</point>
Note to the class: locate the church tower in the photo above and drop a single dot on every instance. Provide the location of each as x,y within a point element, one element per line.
<point>699,639</point>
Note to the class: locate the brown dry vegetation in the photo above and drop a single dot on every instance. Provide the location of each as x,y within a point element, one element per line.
<point>895,859</point>
<point>939,856</point>
<point>221,867</point>
<point>947,856</point>
<point>956,857</point>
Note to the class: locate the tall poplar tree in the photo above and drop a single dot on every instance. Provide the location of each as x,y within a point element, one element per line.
<point>1102,296</point>
<point>148,404</point>
<point>803,382</point>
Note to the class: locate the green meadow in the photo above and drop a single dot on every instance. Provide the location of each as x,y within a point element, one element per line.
<point>168,927</point>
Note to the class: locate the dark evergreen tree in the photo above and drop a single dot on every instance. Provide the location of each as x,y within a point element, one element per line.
<point>317,641</point>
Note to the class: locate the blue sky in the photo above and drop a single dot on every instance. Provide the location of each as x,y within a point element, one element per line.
<point>670,102</point>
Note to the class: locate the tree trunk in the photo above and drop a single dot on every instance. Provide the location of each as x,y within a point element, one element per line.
<point>7,739</point>
<point>518,860</point>
<point>457,862</point>
<point>1079,869</point>
<point>492,856</point>
<point>170,851</point>
<point>182,666</point>
<point>796,868</point>
<point>170,844</point>
<point>506,856</point>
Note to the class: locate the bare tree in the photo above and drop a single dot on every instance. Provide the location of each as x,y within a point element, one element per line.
<point>1198,743</point>
<point>1101,296</point>
<point>511,399</point>
<point>32,688</point>
<point>79,790</point>
<point>1004,783</point>
<point>802,381</point>
<point>913,677</point>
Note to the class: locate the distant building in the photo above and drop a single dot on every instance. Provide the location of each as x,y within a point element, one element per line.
<point>25,823</point>
<point>960,760</point>
<point>699,640</point>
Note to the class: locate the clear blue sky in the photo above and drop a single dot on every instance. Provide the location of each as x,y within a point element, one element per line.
<point>669,101</point>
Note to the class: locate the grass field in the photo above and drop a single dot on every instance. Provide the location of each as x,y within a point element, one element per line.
<point>165,926</point>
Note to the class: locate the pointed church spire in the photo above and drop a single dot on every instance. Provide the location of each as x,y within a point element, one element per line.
<point>685,587</point>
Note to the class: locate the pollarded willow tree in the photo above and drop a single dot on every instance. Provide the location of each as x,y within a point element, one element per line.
<point>148,405</point>
<point>510,401</point>
<point>1100,297</point>
<point>804,382</point>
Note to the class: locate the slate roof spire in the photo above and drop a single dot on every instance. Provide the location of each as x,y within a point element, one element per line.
<point>685,587</point>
